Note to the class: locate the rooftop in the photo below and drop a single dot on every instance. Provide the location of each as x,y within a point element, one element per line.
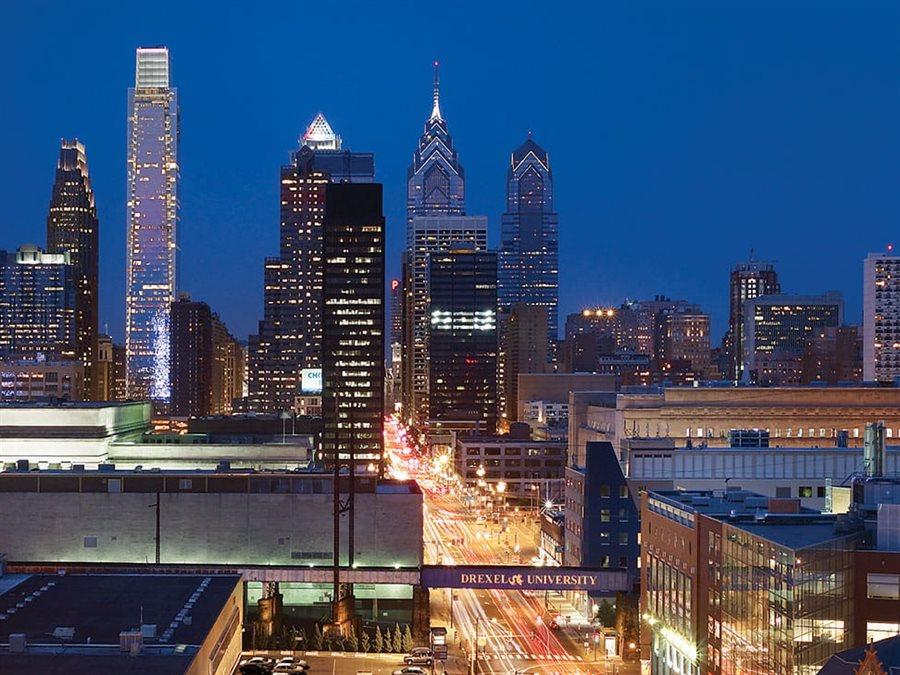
<point>72,622</point>
<point>794,532</point>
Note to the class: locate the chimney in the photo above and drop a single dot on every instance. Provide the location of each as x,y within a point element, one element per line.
<point>783,505</point>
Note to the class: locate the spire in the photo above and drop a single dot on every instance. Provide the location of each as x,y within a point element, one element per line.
<point>436,110</point>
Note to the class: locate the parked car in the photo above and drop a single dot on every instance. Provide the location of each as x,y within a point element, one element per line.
<point>410,670</point>
<point>254,669</point>
<point>292,661</point>
<point>419,656</point>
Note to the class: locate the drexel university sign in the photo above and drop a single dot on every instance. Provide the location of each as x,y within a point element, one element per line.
<point>524,578</point>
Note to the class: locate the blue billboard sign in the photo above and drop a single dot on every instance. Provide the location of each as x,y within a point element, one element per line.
<point>508,577</point>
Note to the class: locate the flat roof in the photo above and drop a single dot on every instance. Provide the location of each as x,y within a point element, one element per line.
<point>69,405</point>
<point>801,533</point>
<point>97,607</point>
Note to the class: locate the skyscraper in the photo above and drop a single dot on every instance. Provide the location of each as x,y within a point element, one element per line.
<point>37,305</point>
<point>152,219</point>
<point>289,339</point>
<point>529,251</point>
<point>430,235</point>
<point>462,342</point>
<point>779,327</point>
<point>72,228</point>
<point>192,355</point>
<point>353,319</point>
<point>523,350</point>
<point>881,317</point>
<point>436,183</point>
<point>748,280</point>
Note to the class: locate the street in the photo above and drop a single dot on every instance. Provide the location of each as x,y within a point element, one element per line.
<point>511,628</point>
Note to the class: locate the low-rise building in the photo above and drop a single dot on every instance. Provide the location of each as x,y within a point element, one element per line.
<point>37,379</point>
<point>224,517</point>
<point>514,459</point>
<point>602,526</point>
<point>130,623</point>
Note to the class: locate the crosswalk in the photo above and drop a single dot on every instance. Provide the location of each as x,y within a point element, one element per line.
<point>529,657</point>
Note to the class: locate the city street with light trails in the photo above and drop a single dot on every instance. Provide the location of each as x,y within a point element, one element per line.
<point>516,631</point>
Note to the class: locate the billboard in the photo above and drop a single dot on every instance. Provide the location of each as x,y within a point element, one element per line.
<point>525,578</point>
<point>311,381</point>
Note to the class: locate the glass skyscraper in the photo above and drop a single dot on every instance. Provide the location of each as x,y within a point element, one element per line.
<point>37,305</point>
<point>152,218</point>
<point>72,228</point>
<point>529,251</point>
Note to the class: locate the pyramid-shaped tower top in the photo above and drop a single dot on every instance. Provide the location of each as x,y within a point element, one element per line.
<point>320,136</point>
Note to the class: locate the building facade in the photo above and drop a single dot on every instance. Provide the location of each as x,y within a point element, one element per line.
<point>192,355</point>
<point>528,259</point>
<point>73,228</point>
<point>736,583</point>
<point>531,471</point>
<point>462,338</point>
<point>881,317</point>
<point>37,304</point>
<point>435,199</point>
<point>353,319</point>
<point>33,380</point>
<point>780,326</point>
<point>523,349</point>
<point>289,339</point>
<point>748,280</point>
<point>430,235</point>
<point>152,221</point>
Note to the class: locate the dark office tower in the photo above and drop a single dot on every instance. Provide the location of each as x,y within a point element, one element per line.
<point>529,251</point>
<point>289,339</point>
<point>748,280</point>
<point>436,183</point>
<point>523,350</point>
<point>72,228</point>
<point>462,340</point>
<point>37,305</point>
<point>191,350</point>
<point>353,325</point>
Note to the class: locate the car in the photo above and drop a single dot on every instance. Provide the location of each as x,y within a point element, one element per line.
<point>410,670</point>
<point>254,669</point>
<point>263,661</point>
<point>289,668</point>
<point>292,661</point>
<point>419,656</point>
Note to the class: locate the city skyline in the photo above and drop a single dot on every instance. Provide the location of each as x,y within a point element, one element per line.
<point>215,203</point>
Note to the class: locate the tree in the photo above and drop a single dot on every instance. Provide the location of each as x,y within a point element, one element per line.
<point>407,640</point>
<point>379,640</point>
<point>351,644</point>
<point>317,640</point>
<point>606,614</point>
<point>397,642</point>
<point>364,642</point>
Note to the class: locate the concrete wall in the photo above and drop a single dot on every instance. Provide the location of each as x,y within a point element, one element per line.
<point>221,650</point>
<point>206,528</point>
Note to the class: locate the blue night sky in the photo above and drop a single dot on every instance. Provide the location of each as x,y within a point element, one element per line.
<point>681,134</point>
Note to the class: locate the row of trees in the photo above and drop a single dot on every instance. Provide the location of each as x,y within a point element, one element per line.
<point>397,641</point>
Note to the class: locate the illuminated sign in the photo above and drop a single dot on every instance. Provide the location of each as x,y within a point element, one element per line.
<point>311,380</point>
<point>394,284</point>
<point>525,578</point>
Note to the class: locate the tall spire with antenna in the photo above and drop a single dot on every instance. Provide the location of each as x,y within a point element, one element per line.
<point>436,110</point>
